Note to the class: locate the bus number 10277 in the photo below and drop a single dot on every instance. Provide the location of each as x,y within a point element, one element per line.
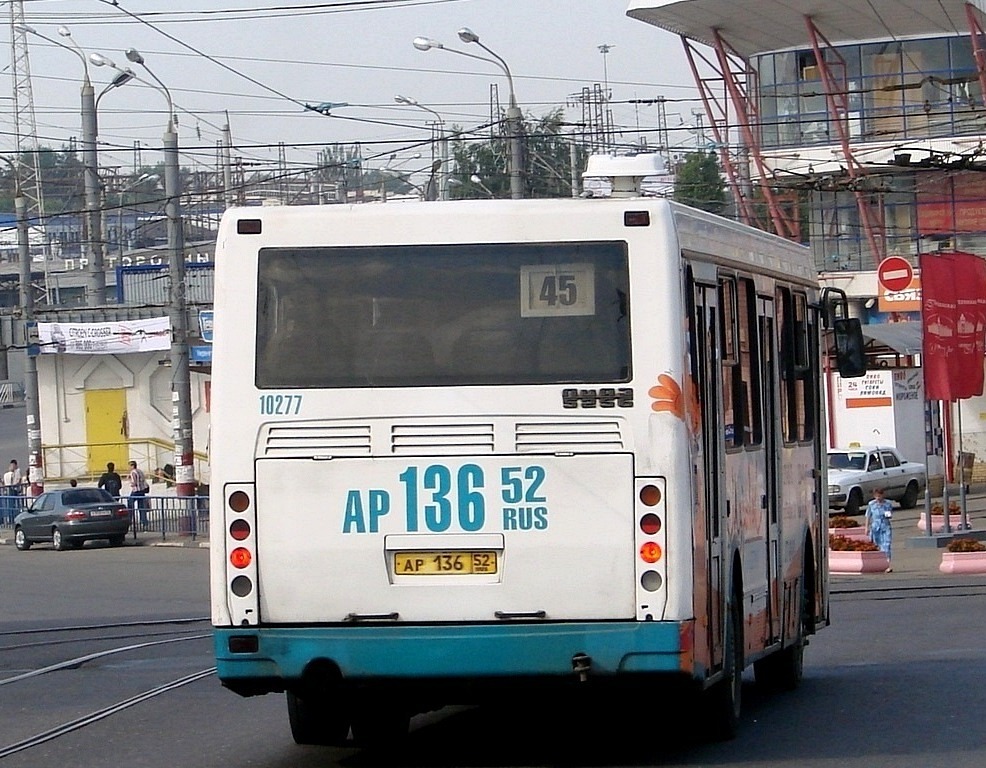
<point>280,405</point>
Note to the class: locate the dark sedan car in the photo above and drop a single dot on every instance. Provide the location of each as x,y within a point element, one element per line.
<point>71,516</point>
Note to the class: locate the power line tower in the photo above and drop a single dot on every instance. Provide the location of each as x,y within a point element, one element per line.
<point>25,127</point>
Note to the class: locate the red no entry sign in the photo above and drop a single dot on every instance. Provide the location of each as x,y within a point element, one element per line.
<point>895,273</point>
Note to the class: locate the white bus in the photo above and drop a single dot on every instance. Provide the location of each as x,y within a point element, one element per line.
<point>480,447</point>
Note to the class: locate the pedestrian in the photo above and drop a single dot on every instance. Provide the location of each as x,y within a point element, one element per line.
<point>878,515</point>
<point>138,492</point>
<point>11,488</point>
<point>111,480</point>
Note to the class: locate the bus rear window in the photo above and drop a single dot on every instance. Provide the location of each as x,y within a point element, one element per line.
<point>443,315</point>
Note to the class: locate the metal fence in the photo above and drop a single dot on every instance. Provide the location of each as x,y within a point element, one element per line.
<point>164,516</point>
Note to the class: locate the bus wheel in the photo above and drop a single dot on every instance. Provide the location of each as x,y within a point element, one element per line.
<point>783,669</point>
<point>380,725</point>
<point>314,721</point>
<point>724,701</point>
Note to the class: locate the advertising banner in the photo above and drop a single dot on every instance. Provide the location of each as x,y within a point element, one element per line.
<point>953,314</point>
<point>110,338</point>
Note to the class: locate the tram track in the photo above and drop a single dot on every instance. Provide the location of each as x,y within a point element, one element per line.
<point>146,636</point>
<point>906,591</point>
<point>73,634</point>
<point>96,715</point>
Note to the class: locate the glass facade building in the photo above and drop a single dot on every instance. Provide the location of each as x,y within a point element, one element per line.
<point>922,99</point>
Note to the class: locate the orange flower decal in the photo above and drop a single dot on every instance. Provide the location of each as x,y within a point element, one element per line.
<point>667,396</point>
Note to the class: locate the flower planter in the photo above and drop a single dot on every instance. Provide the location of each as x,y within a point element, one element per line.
<point>963,562</point>
<point>857,562</point>
<point>858,533</point>
<point>938,522</point>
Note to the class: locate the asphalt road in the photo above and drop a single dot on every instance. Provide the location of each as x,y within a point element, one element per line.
<point>894,682</point>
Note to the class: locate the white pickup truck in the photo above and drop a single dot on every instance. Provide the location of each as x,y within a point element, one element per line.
<point>853,473</point>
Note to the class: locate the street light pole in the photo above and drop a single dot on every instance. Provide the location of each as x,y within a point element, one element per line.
<point>181,390</point>
<point>515,118</point>
<point>442,145</point>
<point>96,283</point>
<point>31,400</point>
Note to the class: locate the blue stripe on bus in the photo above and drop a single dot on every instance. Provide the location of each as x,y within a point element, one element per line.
<point>449,652</point>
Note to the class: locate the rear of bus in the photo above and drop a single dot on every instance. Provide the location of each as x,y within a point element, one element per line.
<point>444,440</point>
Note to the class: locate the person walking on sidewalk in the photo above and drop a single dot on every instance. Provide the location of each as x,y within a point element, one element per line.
<point>11,487</point>
<point>138,492</point>
<point>111,480</point>
<point>878,515</point>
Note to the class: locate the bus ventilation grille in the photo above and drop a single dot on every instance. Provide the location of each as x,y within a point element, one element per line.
<point>564,436</point>
<point>300,441</point>
<point>442,439</point>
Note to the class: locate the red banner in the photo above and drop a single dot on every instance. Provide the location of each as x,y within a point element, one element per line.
<point>953,314</point>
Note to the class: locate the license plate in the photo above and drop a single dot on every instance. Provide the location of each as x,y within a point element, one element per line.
<point>101,513</point>
<point>444,563</point>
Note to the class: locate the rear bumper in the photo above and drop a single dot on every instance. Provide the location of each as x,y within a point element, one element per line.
<point>452,653</point>
<point>101,529</point>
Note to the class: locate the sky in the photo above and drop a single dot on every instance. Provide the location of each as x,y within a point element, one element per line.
<point>255,64</point>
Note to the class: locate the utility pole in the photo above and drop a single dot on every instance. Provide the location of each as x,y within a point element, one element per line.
<point>31,400</point>
<point>181,390</point>
<point>97,275</point>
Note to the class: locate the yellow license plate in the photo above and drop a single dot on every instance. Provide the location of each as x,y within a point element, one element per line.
<point>444,563</point>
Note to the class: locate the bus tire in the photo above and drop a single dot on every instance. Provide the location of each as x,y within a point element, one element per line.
<point>724,700</point>
<point>784,668</point>
<point>379,725</point>
<point>314,721</point>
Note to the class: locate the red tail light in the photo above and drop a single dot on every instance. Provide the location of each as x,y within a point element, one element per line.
<point>122,512</point>
<point>76,514</point>
<point>240,557</point>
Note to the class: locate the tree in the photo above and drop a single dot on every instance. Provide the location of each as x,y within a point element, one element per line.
<point>547,166</point>
<point>698,182</point>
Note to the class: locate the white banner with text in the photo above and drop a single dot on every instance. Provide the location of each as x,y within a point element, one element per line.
<point>111,338</point>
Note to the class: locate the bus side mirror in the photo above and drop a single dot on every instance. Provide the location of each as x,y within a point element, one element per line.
<point>850,356</point>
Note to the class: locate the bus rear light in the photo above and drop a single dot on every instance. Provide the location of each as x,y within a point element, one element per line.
<point>650,552</point>
<point>651,581</point>
<point>241,586</point>
<point>239,501</point>
<point>650,495</point>
<point>239,529</point>
<point>240,557</point>
<point>650,524</point>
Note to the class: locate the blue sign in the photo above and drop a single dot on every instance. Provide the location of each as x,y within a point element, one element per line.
<point>205,325</point>
<point>200,354</point>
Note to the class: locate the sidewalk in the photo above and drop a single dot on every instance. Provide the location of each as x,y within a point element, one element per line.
<point>916,555</point>
<point>135,539</point>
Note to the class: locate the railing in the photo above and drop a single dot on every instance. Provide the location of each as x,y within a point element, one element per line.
<point>186,516</point>
<point>71,460</point>
<point>174,516</point>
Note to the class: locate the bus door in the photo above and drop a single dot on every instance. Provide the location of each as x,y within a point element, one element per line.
<point>704,342</point>
<point>768,373</point>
